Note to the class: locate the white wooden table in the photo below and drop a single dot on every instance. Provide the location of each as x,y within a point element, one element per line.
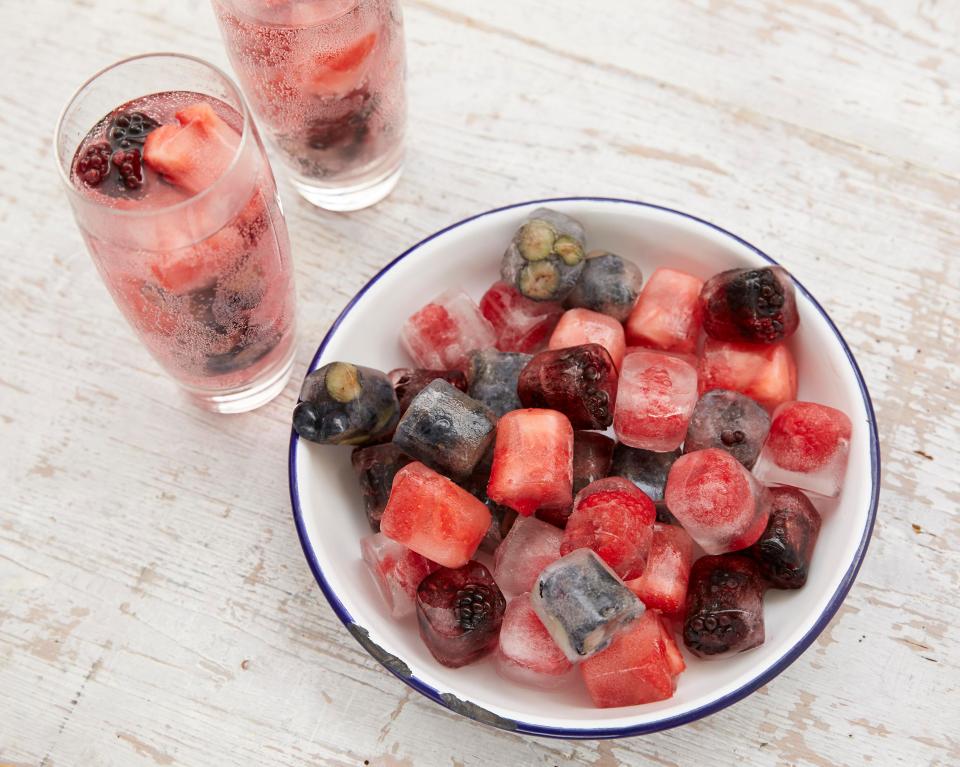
<point>155,608</point>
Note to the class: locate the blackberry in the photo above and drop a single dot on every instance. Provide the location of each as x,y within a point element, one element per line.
<point>130,129</point>
<point>474,606</point>
<point>94,164</point>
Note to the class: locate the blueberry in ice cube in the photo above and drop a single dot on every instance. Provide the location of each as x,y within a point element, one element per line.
<point>546,256</point>
<point>608,284</point>
<point>730,421</point>
<point>409,382</point>
<point>647,469</point>
<point>784,550</point>
<point>493,378</point>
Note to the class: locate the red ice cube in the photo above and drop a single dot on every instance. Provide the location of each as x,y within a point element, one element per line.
<point>431,515</point>
<point>521,324</point>
<point>768,374</point>
<point>397,571</point>
<point>663,585</point>
<point>441,335</point>
<point>667,314</point>
<point>582,326</point>
<point>527,653</point>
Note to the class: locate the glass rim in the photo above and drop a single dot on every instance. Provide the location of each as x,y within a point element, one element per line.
<point>275,24</point>
<point>246,130</point>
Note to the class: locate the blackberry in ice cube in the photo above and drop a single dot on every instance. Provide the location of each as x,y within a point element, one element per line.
<point>786,546</point>
<point>493,379</point>
<point>546,256</point>
<point>729,421</point>
<point>752,305</point>
<point>608,284</point>
<point>375,467</point>
<point>345,404</point>
<point>409,382</point>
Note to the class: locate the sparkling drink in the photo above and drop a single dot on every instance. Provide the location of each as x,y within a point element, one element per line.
<point>176,202</point>
<point>326,81</point>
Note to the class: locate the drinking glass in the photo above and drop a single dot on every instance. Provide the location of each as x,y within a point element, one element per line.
<point>196,254</point>
<point>325,79</point>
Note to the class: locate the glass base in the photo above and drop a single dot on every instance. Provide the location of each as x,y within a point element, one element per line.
<point>352,197</point>
<point>250,396</point>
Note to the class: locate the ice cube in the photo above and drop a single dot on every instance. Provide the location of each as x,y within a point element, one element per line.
<point>724,606</point>
<point>446,429</point>
<point>784,550</point>
<point>581,326</point>
<point>409,382</point>
<point>344,404</point>
<point>493,378</point>
<point>431,515</point>
<point>767,374</point>
<point>583,604</point>
<point>546,256</point>
<point>532,461</point>
<point>579,381</point>
<point>608,284</point>
<point>656,395</point>
<point>807,447</point>
<point>592,453</point>
<point>667,314</point>
<point>526,653</point>
<point>753,305</point>
<point>521,324</point>
<point>502,517</point>
<point>647,469</point>
<point>441,334</point>
<point>459,613</point>
<point>530,546</point>
<point>717,501</point>
<point>663,585</point>
<point>614,519</point>
<point>375,467</point>
<point>397,571</point>
<point>729,421</point>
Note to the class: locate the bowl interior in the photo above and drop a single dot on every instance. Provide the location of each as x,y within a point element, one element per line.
<point>332,520</point>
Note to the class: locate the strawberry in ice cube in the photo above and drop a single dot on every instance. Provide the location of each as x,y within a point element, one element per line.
<point>530,546</point>
<point>614,519</point>
<point>459,613</point>
<point>807,447</point>
<point>521,324</point>
<point>767,374</point>
<point>636,667</point>
<point>493,378</point>
<point>729,421</point>
<point>397,571</point>
<point>442,334</point>
<point>608,284</point>
<point>753,305</point>
<point>581,326</point>
<point>545,257</point>
<point>409,382</point>
<point>724,606</point>
<point>431,515</point>
<point>667,314</point>
<point>786,546</point>
<point>375,467</point>
<point>663,584</point>
<point>527,653</point>
<point>532,461</point>
<point>718,502</point>
<point>655,399</point>
<point>578,381</point>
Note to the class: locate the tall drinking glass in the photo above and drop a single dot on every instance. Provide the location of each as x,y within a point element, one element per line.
<point>175,199</point>
<point>326,81</point>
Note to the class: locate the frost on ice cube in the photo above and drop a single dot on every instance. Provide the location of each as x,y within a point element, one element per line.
<point>493,379</point>
<point>441,334</point>
<point>729,421</point>
<point>527,653</point>
<point>608,284</point>
<point>545,257</point>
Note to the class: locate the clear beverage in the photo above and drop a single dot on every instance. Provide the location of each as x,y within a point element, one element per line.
<point>176,202</point>
<point>326,81</point>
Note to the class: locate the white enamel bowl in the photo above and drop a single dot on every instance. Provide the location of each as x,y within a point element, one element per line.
<point>330,521</point>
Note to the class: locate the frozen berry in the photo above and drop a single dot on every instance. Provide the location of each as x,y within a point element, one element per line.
<point>129,130</point>
<point>724,606</point>
<point>786,546</point>
<point>753,305</point>
<point>129,166</point>
<point>475,606</point>
<point>94,164</point>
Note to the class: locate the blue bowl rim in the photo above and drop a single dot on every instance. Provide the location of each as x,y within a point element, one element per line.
<point>708,709</point>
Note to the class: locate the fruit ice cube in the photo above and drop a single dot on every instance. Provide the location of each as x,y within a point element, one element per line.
<point>717,501</point>
<point>375,467</point>
<point>502,517</point>
<point>645,468</point>
<point>195,153</point>
<point>409,382</point>
<point>608,284</point>
<point>345,404</point>
<point>545,257</point>
<point>397,571</point>
<point>729,421</point>
<point>634,669</point>
<point>784,550</point>
<point>493,378</point>
<point>444,332</point>
<point>724,606</point>
<point>767,374</point>
<point>530,546</point>
<point>674,656</point>
<point>592,453</point>
<point>663,584</point>
<point>807,447</point>
<point>578,381</point>
<point>532,461</point>
<point>667,314</point>
<point>583,604</point>
<point>521,324</point>
<point>614,519</point>
<point>753,305</point>
<point>446,429</point>
<point>459,613</point>
<point>581,326</point>
<point>655,399</point>
<point>336,72</point>
<point>431,515</point>
<point>526,653</point>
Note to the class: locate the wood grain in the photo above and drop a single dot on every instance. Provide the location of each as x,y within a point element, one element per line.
<point>156,608</point>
